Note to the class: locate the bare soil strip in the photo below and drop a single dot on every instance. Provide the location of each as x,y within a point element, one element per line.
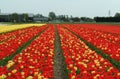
<point>60,69</point>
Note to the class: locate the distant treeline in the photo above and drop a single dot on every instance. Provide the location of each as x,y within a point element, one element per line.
<point>52,17</point>
<point>15,17</point>
<point>116,18</point>
<point>107,19</point>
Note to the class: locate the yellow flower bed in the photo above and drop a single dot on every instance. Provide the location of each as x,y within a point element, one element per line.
<point>7,28</point>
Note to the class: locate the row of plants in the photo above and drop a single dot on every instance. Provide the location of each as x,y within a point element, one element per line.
<point>59,52</point>
<point>111,28</point>
<point>13,27</point>
<point>82,62</point>
<point>35,61</point>
<point>103,31</point>
<point>13,34</point>
<point>98,39</point>
<point>10,46</point>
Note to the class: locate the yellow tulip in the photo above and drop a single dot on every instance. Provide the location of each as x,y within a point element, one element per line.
<point>3,76</point>
<point>29,77</point>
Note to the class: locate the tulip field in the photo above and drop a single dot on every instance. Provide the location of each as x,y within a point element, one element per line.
<point>60,51</point>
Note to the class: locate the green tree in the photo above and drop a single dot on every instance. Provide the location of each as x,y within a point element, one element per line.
<point>14,17</point>
<point>52,16</point>
<point>117,15</point>
<point>25,17</point>
<point>86,19</point>
<point>76,19</point>
<point>38,15</point>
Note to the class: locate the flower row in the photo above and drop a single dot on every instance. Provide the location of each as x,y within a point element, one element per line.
<point>34,62</point>
<point>82,62</point>
<point>13,34</point>
<point>12,27</point>
<point>10,46</point>
<point>98,39</point>
<point>101,33</point>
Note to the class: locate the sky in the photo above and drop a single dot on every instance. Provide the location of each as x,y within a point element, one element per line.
<point>76,8</point>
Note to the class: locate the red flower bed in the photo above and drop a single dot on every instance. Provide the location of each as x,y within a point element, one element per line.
<point>104,31</point>
<point>34,62</point>
<point>12,35</point>
<point>98,38</point>
<point>82,62</point>
<point>103,27</point>
<point>10,46</point>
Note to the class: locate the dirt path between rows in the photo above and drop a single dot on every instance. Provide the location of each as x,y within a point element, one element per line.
<point>60,69</point>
